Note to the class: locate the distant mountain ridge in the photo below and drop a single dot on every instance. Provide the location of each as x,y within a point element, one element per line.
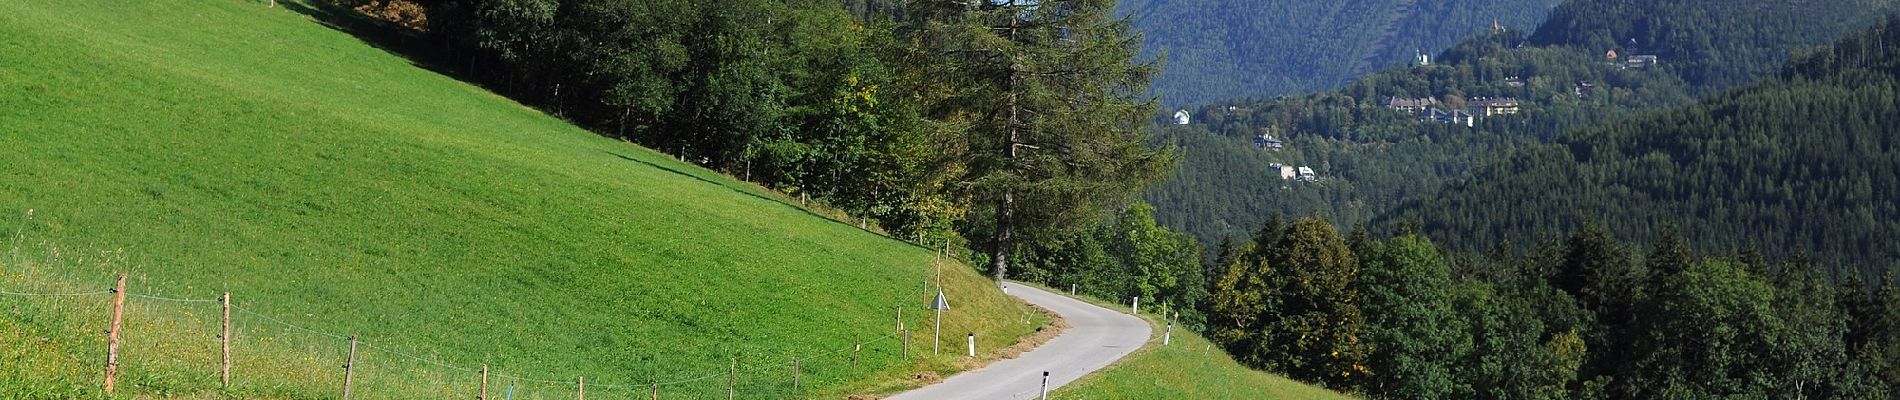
<point>1222,49</point>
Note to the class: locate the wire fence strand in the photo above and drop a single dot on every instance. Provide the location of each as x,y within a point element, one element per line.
<point>79,294</point>
<point>175,300</point>
<point>751,368</point>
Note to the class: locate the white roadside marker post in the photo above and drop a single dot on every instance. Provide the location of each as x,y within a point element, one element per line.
<point>1045,385</point>
<point>972,344</point>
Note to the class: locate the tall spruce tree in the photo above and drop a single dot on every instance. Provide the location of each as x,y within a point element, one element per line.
<point>1049,110</point>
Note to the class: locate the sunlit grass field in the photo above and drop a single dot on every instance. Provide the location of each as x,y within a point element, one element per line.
<point>205,146</point>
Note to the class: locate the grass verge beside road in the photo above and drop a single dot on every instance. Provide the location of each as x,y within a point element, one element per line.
<point>1189,367</point>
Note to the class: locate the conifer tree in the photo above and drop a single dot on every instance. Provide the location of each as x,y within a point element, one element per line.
<point>1047,112</point>
<point>1670,255</point>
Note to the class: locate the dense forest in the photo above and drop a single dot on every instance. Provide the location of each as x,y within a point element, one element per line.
<point>1713,44</point>
<point>1224,49</point>
<point>1582,317</point>
<point>1804,162</point>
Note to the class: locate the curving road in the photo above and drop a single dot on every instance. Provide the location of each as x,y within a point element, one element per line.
<point>1096,337</point>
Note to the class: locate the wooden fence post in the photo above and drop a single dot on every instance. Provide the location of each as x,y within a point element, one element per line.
<point>656,391</point>
<point>854,357</point>
<point>732,378</point>
<point>225,338</point>
<point>112,334</point>
<point>349,369</point>
<point>795,367</point>
<point>906,345</point>
<point>583,387</point>
<point>483,395</point>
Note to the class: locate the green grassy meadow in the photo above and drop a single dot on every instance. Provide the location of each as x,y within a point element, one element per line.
<point>205,146</point>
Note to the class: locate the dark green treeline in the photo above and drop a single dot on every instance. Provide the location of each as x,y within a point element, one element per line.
<point>1585,317</point>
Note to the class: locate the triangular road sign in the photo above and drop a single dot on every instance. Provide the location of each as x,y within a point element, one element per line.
<point>940,303</point>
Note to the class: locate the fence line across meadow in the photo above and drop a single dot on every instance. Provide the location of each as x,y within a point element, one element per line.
<point>793,363</point>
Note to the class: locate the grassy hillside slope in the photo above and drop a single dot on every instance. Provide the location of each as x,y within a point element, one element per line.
<point>205,146</point>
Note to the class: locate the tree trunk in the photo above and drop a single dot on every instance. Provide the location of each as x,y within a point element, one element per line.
<point>999,250</point>
<point>999,256</point>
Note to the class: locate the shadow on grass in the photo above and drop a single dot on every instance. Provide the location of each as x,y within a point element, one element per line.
<point>383,35</point>
<point>742,191</point>
<point>410,45</point>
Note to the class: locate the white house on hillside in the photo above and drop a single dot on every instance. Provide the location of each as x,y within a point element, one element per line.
<point>1181,117</point>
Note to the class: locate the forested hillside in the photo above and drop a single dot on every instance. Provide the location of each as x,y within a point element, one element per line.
<point>1368,157</point>
<point>1804,162</point>
<point>1713,44</point>
<point>1222,49</point>
<point>1582,317</point>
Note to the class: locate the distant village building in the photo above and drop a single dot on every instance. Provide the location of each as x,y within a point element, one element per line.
<point>1410,105</point>
<point>1514,82</point>
<point>1420,59</point>
<point>1640,61</point>
<point>1286,171</point>
<point>1610,55</point>
<point>1182,118</point>
<point>1449,117</point>
<point>1494,106</point>
<point>1266,141</point>
<point>1584,88</point>
<point>1306,174</point>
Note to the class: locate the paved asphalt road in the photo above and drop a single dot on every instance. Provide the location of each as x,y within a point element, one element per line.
<point>1096,337</point>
